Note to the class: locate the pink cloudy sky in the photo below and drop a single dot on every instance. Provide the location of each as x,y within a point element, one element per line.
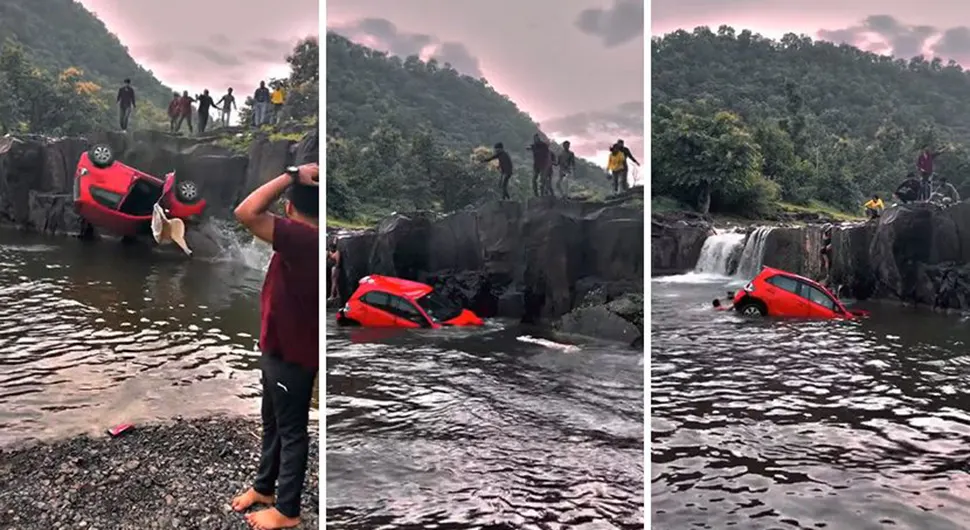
<point>906,29</point>
<point>210,44</point>
<point>576,66</point>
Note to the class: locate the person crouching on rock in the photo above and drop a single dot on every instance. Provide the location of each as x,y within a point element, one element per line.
<point>874,207</point>
<point>947,191</point>
<point>908,191</point>
<point>289,342</point>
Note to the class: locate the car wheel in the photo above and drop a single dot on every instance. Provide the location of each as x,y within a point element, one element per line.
<point>187,192</point>
<point>752,309</point>
<point>101,155</point>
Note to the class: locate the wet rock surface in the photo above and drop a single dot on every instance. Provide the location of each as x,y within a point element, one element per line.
<point>179,475</point>
<point>533,261</point>
<point>676,240</point>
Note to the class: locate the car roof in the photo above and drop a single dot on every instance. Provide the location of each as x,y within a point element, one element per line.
<point>408,288</point>
<point>773,271</point>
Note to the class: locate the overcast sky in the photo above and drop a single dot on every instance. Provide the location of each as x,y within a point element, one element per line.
<point>576,66</point>
<point>906,29</point>
<point>192,45</point>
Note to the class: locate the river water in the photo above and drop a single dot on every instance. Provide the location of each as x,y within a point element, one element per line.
<point>785,424</point>
<point>94,334</point>
<point>473,428</point>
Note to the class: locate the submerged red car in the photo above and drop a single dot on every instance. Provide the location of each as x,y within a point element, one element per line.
<point>777,293</point>
<point>383,301</point>
<point>120,198</point>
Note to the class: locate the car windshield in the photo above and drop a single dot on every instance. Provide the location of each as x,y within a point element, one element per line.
<point>439,309</point>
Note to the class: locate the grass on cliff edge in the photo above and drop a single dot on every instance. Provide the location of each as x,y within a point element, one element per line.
<point>668,205</point>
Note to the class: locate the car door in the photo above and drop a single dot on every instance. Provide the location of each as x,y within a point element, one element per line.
<point>820,304</point>
<point>784,298</point>
<point>376,311</point>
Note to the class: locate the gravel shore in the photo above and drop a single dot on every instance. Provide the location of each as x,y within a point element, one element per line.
<point>178,475</point>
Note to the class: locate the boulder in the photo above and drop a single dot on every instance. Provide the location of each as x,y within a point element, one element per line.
<point>676,242</point>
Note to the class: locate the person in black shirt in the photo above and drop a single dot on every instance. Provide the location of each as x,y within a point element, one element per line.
<point>126,103</point>
<point>505,166</point>
<point>909,190</point>
<point>540,161</point>
<point>261,105</point>
<point>205,103</point>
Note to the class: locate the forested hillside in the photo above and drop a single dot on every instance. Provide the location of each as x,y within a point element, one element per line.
<point>404,134</point>
<point>742,120</point>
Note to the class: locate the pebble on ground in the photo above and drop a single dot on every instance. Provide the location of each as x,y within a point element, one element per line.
<point>179,475</point>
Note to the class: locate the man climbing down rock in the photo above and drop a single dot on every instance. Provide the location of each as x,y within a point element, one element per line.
<point>126,103</point>
<point>540,161</point>
<point>505,168</point>
<point>924,164</point>
<point>874,207</point>
<point>567,164</point>
<point>205,103</point>
<point>288,340</point>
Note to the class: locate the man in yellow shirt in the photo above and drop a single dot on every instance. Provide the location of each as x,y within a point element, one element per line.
<point>616,166</point>
<point>277,98</point>
<point>874,207</point>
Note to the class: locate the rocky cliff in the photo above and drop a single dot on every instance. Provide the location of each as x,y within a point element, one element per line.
<point>36,173</point>
<point>676,241</point>
<point>576,264</point>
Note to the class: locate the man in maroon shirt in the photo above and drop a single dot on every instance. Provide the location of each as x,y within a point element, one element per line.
<point>289,341</point>
<point>925,166</point>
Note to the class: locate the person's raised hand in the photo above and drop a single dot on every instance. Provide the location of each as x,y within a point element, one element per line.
<point>309,175</point>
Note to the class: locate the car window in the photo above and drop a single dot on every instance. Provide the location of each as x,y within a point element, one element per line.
<point>816,295</point>
<point>786,283</point>
<point>405,309</point>
<point>377,299</point>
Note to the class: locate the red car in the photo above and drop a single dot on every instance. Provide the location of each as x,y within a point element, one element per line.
<point>120,199</point>
<point>778,293</point>
<point>383,301</point>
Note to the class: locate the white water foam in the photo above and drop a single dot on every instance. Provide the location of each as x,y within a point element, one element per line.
<point>548,343</point>
<point>235,246</point>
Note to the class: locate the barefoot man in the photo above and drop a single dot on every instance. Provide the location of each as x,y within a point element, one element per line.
<point>289,341</point>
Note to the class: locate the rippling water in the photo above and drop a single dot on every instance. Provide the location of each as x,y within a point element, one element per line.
<point>93,334</point>
<point>476,429</point>
<point>785,424</point>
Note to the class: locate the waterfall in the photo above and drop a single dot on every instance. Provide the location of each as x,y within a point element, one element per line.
<point>717,253</point>
<point>752,257</point>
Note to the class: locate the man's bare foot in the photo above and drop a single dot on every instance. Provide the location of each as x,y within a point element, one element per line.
<point>250,497</point>
<point>271,519</point>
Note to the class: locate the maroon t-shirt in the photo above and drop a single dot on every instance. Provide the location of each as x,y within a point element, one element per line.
<point>290,302</point>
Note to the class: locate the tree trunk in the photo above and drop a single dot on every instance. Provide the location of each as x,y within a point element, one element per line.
<point>704,199</point>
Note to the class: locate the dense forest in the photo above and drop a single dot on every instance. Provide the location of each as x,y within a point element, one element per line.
<point>404,134</point>
<point>740,121</point>
<point>59,36</point>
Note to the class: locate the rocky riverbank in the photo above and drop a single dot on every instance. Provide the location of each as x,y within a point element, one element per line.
<point>916,254</point>
<point>179,475</point>
<point>577,265</point>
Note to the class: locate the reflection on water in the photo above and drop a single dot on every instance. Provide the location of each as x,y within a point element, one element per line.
<point>785,424</point>
<point>92,334</point>
<point>472,428</point>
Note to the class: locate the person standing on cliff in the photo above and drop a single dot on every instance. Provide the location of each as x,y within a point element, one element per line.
<point>228,104</point>
<point>289,341</point>
<point>261,104</point>
<point>205,103</point>
<point>126,103</point>
<point>924,164</point>
<point>277,98</point>
<point>173,111</point>
<point>540,161</point>
<point>333,262</point>
<point>504,166</point>
<point>185,111</point>
<point>625,169</point>
<point>567,164</point>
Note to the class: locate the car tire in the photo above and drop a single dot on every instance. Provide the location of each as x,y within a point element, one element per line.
<point>187,191</point>
<point>752,308</point>
<point>101,155</point>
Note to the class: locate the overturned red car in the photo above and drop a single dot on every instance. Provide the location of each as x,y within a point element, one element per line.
<point>120,199</point>
<point>384,301</point>
<point>777,293</point>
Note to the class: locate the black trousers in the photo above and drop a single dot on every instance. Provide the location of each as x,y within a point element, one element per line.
<point>125,114</point>
<point>287,391</point>
<point>619,180</point>
<point>505,186</point>
<point>185,118</point>
<point>203,121</point>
